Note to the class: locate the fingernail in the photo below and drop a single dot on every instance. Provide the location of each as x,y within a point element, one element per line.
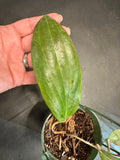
<point>61,18</point>
<point>68,31</point>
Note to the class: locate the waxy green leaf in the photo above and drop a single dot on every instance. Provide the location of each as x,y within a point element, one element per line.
<point>115,137</point>
<point>57,68</point>
<point>104,155</point>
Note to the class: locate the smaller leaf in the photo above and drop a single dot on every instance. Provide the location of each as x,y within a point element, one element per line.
<point>115,137</point>
<point>104,155</point>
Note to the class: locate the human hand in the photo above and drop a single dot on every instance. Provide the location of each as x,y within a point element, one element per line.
<point>15,40</point>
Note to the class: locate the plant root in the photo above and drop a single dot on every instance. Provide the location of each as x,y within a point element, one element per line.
<point>73,142</point>
<point>60,142</point>
<point>98,147</point>
<point>50,124</point>
<point>73,136</point>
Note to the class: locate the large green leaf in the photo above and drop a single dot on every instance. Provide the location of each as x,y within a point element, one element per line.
<point>57,68</point>
<point>104,155</point>
<point>115,137</point>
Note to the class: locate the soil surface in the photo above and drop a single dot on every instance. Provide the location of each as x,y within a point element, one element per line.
<point>65,147</point>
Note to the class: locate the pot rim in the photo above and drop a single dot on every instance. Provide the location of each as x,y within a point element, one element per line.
<point>97,135</point>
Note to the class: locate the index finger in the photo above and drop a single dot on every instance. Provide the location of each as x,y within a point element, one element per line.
<point>26,26</point>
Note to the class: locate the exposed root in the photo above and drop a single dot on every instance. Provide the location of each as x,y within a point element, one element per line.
<point>64,143</point>
<point>50,124</point>
<point>71,125</point>
<point>74,149</point>
<point>57,132</point>
<point>84,141</point>
<point>77,144</point>
<point>60,142</point>
<point>97,146</point>
<point>74,136</point>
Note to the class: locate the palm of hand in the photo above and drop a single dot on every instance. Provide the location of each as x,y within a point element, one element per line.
<point>11,54</point>
<point>15,40</point>
<point>12,50</point>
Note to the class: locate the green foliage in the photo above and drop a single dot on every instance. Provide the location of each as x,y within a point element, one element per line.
<point>115,137</point>
<point>104,155</point>
<point>57,68</point>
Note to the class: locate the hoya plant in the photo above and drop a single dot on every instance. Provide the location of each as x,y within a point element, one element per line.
<point>58,72</point>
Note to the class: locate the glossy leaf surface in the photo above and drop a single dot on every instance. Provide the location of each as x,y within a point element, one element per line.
<point>57,68</point>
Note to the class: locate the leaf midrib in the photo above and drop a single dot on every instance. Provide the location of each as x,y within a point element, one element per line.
<point>59,68</point>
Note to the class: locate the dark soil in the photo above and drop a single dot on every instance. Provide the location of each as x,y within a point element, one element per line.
<point>64,147</point>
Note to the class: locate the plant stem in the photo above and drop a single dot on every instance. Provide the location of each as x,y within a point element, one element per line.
<point>108,143</point>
